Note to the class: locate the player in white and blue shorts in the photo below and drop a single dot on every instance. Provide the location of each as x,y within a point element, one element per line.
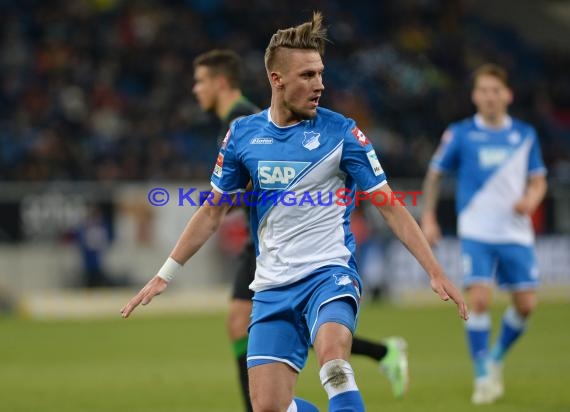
<point>500,182</point>
<point>307,289</point>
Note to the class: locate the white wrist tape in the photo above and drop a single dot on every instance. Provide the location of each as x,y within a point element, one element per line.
<point>169,269</point>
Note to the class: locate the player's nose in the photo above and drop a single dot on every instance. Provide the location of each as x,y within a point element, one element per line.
<point>319,86</point>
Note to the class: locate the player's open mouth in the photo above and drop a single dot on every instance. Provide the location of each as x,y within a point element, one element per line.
<point>315,100</point>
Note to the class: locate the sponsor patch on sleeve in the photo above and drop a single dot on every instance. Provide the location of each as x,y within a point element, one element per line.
<point>219,165</point>
<point>373,159</point>
<point>225,141</point>
<point>361,137</point>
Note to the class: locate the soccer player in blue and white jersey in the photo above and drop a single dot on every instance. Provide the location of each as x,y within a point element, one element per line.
<point>307,290</point>
<point>500,182</point>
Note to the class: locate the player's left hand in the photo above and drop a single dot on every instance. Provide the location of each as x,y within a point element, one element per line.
<point>446,290</point>
<point>523,207</point>
<point>154,287</point>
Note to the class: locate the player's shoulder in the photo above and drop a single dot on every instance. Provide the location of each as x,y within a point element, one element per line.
<point>332,119</point>
<point>336,124</point>
<point>463,125</point>
<point>248,122</point>
<point>245,126</point>
<point>523,127</point>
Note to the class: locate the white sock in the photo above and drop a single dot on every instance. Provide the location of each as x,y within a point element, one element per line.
<point>337,377</point>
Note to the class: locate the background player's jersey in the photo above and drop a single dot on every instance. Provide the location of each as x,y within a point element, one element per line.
<point>493,166</point>
<point>318,156</point>
<point>243,107</point>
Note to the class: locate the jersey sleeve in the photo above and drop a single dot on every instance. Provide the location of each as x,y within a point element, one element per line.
<point>446,157</point>
<point>359,160</point>
<point>535,162</point>
<point>229,175</point>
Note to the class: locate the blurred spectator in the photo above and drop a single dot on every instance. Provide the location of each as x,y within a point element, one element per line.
<point>100,89</point>
<point>93,239</point>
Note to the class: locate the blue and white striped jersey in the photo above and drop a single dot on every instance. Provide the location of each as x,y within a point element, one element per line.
<point>493,166</point>
<point>318,157</point>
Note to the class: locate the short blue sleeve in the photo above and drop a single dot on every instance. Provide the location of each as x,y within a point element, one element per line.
<point>446,157</point>
<point>360,161</point>
<point>535,162</point>
<point>229,173</point>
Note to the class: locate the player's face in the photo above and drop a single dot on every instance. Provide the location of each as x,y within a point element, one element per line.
<point>302,80</point>
<point>491,96</point>
<point>205,88</point>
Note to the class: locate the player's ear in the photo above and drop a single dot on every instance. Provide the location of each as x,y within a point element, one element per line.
<point>473,97</point>
<point>220,81</point>
<point>510,96</point>
<point>276,80</point>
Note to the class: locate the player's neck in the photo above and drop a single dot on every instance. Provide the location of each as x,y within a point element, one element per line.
<point>226,101</point>
<point>498,121</point>
<point>282,116</point>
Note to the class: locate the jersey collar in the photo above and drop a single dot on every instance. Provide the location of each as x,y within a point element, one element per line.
<point>270,120</point>
<point>480,123</point>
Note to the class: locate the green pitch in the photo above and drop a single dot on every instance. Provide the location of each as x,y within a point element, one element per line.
<point>184,364</point>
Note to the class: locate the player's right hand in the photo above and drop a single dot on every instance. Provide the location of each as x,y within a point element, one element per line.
<point>154,287</point>
<point>431,230</point>
<point>446,290</point>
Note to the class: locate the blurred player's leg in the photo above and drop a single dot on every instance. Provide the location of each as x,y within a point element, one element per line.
<point>478,328</point>
<point>374,350</point>
<point>513,326</point>
<point>239,316</point>
<point>392,358</point>
<point>238,320</point>
<point>516,271</point>
<point>479,265</point>
<point>395,365</point>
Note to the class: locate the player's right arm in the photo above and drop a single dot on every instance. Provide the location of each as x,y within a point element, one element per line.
<point>430,193</point>
<point>229,176</point>
<point>198,230</point>
<point>446,158</point>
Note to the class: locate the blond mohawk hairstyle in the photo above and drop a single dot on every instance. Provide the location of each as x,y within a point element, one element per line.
<point>310,35</point>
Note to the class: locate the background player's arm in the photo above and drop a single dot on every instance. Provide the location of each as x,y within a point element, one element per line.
<point>430,193</point>
<point>534,194</point>
<point>201,226</point>
<point>407,230</point>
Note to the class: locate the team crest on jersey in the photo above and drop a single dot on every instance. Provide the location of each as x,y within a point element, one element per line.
<point>219,165</point>
<point>361,137</point>
<point>311,140</point>
<point>343,280</point>
<point>514,138</point>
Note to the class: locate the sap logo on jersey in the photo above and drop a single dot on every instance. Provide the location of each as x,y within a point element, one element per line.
<point>278,174</point>
<point>493,156</point>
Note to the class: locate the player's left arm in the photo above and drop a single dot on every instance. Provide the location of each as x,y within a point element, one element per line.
<point>360,161</point>
<point>407,230</point>
<point>534,194</point>
<point>536,185</point>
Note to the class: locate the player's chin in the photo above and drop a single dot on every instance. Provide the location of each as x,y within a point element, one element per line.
<point>310,113</point>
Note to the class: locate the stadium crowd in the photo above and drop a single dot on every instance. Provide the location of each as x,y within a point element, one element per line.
<point>101,89</point>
